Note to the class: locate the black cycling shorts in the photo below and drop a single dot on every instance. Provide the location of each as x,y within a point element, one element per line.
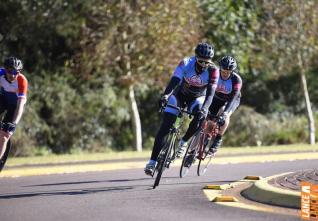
<point>217,104</point>
<point>7,109</point>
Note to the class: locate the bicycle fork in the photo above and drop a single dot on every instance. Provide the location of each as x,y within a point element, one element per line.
<point>204,141</point>
<point>172,156</point>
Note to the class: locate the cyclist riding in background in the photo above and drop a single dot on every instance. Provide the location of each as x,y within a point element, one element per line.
<point>227,97</point>
<point>193,86</point>
<point>13,92</point>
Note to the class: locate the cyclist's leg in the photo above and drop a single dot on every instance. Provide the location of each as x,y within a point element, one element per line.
<point>216,109</point>
<point>194,125</point>
<point>230,112</point>
<point>193,106</point>
<point>4,137</point>
<point>169,118</point>
<point>3,142</point>
<point>167,123</point>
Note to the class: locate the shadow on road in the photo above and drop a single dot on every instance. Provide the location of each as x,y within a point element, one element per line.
<point>64,192</point>
<point>119,180</point>
<point>81,191</point>
<point>88,182</point>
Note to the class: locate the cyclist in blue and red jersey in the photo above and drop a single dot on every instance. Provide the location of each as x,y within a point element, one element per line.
<point>227,97</point>
<point>13,93</point>
<point>193,86</point>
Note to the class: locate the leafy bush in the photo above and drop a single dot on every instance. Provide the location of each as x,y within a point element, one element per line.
<point>248,127</point>
<point>64,116</point>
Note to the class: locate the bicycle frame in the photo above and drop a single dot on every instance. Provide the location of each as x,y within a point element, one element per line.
<point>168,152</point>
<point>175,130</point>
<point>209,130</point>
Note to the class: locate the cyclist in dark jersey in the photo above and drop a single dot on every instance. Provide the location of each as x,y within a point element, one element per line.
<point>13,92</point>
<point>227,97</point>
<point>193,86</point>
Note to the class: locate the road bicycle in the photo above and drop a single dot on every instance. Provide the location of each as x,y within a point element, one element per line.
<point>6,153</point>
<point>199,146</point>
<point>168,151</point>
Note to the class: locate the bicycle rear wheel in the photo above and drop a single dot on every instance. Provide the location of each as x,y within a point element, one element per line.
<point>206,160</point>
<point>5,155</point>
<point>190,155</point>
<point>163,156</point>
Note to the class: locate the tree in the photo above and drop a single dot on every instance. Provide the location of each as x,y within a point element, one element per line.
<point>230,26</point>
<point>288,32</point>
<point>136,44</point>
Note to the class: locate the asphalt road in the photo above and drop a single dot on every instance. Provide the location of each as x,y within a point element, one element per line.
<point>128,195</point>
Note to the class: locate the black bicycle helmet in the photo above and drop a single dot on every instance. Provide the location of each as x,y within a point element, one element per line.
<point>204,50</point>
<point>13,63</point>
<point>228,63</point>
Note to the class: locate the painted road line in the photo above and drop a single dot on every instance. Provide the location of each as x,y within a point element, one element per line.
<point>247,206</point>
<point>95,167</point>
<point>70,169</point>
<point>266,158</point>
<point>212,194</point>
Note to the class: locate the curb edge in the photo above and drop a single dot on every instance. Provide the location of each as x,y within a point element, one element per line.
<point>263,192</point>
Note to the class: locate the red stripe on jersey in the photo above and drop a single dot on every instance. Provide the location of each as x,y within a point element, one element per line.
<point>237,86</point>
<point>214,76</point>
<point>22,85</point>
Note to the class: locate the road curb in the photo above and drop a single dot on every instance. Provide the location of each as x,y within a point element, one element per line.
<point>262,192</point>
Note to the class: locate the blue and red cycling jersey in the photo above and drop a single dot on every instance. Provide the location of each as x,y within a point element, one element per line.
<point>228,89</point>
<point>191,83</point>
<point>13,90</point>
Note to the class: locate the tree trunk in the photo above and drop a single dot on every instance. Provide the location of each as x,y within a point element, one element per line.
<point>135,119</point>
<point>310,117</point>
<point>136,123</point>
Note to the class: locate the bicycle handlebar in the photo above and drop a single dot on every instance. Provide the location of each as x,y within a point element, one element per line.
<point>181,110</point>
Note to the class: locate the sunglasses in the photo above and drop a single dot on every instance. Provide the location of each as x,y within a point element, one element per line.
<point>12,71</point>
<point>203,62</point>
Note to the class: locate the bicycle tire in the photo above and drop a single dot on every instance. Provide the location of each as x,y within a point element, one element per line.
<point>5,155</point>
<point>206,161</point>
<point>184,169</point>
<point>163,157</point>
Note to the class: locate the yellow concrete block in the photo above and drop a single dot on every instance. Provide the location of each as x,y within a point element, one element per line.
<point>213,187</point>
<point>224,199</point>
<point>252,178</point>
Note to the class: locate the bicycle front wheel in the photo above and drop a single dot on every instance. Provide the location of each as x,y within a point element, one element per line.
<point>163,156</point>
<point>206,159</point>
<point>5,155</point>
<point>190,155</point>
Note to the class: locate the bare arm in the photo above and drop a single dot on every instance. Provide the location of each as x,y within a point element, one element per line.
<point>19,110</point>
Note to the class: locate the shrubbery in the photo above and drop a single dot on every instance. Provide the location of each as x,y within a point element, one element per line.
<point>63,116</point>
<point>249,128</point>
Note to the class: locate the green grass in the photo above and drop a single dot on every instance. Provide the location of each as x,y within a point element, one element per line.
<point>80,157</point>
